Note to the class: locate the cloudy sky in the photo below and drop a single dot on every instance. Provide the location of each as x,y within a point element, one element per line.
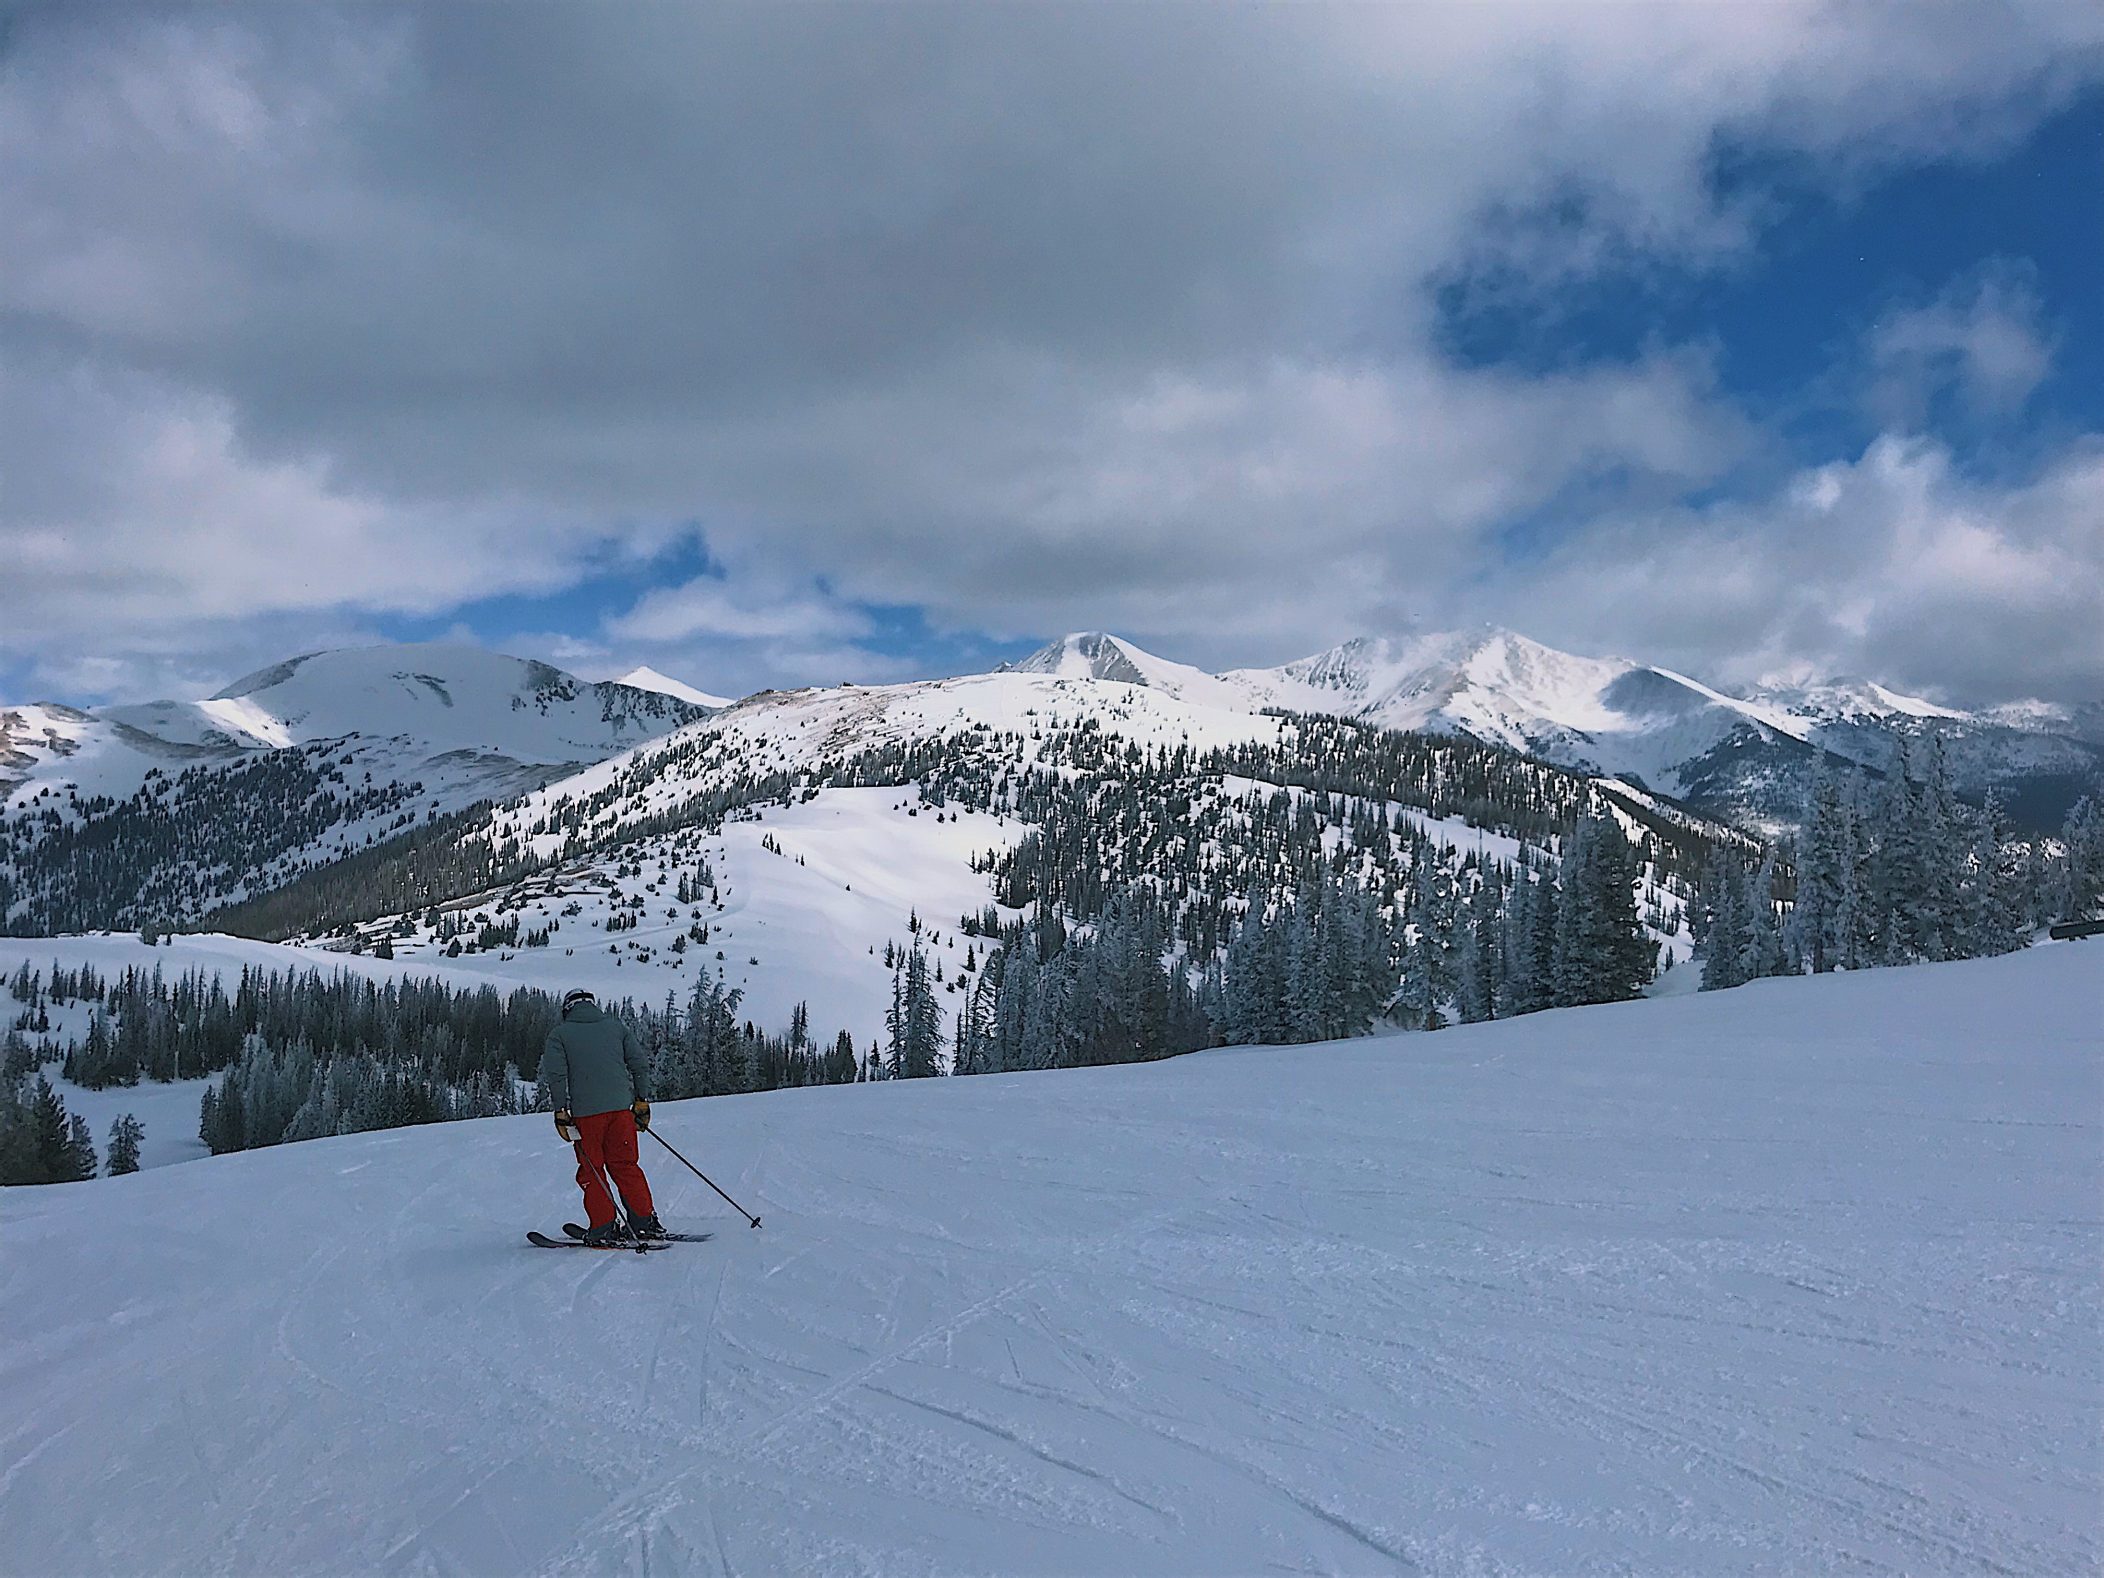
<point>781,344</point>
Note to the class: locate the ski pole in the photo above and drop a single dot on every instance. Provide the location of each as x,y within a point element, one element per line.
<point>704,1177</point>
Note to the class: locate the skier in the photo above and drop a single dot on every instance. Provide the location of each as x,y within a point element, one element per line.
<point>597,1077</point>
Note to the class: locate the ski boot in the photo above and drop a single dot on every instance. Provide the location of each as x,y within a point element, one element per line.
<point>606,1233</point>
<point>647,1227</point>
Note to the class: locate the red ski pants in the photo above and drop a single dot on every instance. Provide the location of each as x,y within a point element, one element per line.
<point>606,1144</point>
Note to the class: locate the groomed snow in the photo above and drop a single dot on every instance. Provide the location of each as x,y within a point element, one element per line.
<point>1803,1277</point>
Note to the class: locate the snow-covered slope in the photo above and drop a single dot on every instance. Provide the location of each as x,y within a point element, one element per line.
<point>1712,1285</point>
<point>806,895</point>
<point>443,698</point>
<point>647,678</point>
<point>35,735</point>
<point>789,731</point>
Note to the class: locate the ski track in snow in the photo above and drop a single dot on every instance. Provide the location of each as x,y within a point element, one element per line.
<point>1803,1277</point>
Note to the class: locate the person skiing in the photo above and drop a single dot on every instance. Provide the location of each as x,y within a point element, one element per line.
<point>598,1079</point>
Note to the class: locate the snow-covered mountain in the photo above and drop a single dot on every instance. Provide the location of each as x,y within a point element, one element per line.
<point>788,841</point>
<point>1748,758</point>
<point>36,735</point>
<point>1756,1281</point>
<point>1094,655</point>
<point>432,701</point>
<point>1607,716</point>
<point>2038,757</point>
<point>187,802</point>
<point>1602,715</point>
<point>287,771</point>
<point>648,678</point>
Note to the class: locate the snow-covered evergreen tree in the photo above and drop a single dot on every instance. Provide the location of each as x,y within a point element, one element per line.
<point>2080,894</point>
<point>126,1136</point>
<point>914,1024</point>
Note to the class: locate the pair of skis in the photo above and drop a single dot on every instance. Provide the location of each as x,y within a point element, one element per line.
<point>648,1245</point>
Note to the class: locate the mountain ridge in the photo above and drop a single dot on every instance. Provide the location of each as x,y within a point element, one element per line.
<point>305,762</point>
<point>1746,757</point>
<point>442,697</point>
<point>192,804</point>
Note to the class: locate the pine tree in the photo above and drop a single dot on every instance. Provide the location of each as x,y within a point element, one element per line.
<point>1761,927</point>
<point>1991,913</point>
<point>2081,884</point>
<point>914,1023</point>
<point>1823,922</point>
<point>126,1136</point>
<point>21,1160</point>
<point>79,1156</point>
<point>1721,905</point>
<point>53,1134</point>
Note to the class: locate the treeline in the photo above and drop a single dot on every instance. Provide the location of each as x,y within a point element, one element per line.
<point>144,1025</point>
<point>1889,872</point>
<point>278,1092</point>
<point>1464,937</point>
<point>439,859</point>
<point>40,1141</point>
<point>306,1054</point>
<point>282,1090</point>
<point>181,843</point>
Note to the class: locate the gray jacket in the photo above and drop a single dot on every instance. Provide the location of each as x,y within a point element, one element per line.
<point>592,1063</point>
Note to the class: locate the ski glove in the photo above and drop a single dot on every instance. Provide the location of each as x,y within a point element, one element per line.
<point>562,1125</point>
<point>642,1111</point>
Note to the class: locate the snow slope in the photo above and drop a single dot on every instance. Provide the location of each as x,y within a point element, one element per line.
<point>807,924</point>
<point>647,678</point>
<point>1804,1277</point>
<point>32,736</point>
<point>807,898</point>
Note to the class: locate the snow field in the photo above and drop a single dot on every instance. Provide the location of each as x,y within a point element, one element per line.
<point>854,866</point>
<point>1803,1277</point>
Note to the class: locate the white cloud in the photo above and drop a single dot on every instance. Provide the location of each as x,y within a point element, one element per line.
<point>708,606</point>
<point>133,509</point>
<point>1027,316</point>
<point>1981,338</point>
<point>1895,565</point>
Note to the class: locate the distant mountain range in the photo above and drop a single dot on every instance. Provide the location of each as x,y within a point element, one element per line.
<point>169,811</point>
<point>191,804</point>
<point>1744,758</point>
<point>484,719</point>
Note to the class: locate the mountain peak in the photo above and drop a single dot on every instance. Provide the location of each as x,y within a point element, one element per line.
<point>644,677</point>
<point>1086,654</point>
